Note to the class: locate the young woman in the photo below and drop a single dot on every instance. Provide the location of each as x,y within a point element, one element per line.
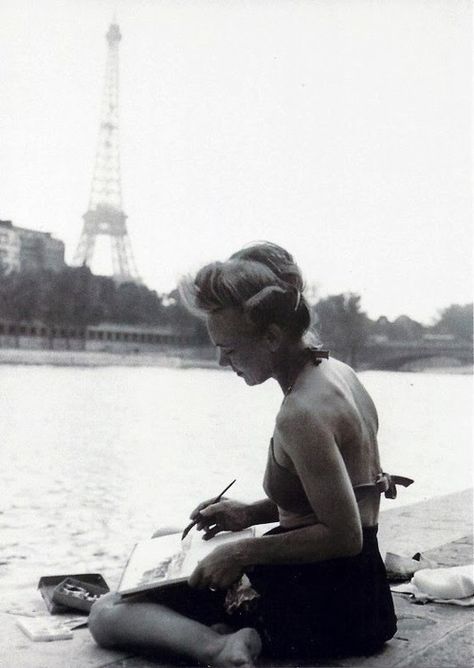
<point>319,575</point>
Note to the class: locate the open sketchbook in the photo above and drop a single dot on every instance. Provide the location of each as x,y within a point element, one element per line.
<point>167,560</point>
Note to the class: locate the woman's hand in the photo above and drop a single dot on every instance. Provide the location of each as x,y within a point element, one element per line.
<point>219,570</point>
<point>226,515</point>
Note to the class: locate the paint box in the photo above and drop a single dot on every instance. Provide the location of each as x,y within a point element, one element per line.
<point>48,583</point>
<point>77,594</point>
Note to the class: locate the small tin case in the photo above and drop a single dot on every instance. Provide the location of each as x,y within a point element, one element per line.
<point>48,583</point>
<point>77,594</point>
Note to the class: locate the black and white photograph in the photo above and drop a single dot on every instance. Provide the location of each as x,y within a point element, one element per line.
<point>236,333</point>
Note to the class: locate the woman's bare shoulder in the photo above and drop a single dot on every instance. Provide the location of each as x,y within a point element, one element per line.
<point>323,399</point>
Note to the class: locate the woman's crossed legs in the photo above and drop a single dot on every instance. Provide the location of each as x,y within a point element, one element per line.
<point>155,628</point>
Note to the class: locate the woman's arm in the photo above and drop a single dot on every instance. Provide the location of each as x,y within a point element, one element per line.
<point>309,441</point>
<point>229,515</point>
<point>261,512</point>
<point>307,436</point>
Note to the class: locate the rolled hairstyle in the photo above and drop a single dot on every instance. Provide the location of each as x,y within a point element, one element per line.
<point>262,280</point>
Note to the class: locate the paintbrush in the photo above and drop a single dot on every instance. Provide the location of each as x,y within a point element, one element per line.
<point>215,500</point>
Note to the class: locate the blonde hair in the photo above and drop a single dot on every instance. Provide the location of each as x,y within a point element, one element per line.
<point>262,280</point>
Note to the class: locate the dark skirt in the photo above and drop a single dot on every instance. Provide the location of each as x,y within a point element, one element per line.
<point>330,608</point>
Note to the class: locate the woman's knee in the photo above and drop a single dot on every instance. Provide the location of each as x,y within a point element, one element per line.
<point>102,619</point>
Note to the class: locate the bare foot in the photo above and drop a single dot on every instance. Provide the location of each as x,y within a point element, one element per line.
<point>239,650</point>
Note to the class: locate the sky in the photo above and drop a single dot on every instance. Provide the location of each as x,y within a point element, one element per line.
<point>340,130</point>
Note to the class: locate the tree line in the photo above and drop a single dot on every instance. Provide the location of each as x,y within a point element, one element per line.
<point>346,328</point>
<point>75,297</point>
<point>78,298</point>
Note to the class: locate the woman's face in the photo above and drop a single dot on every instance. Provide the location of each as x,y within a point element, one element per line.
<point>248,354</point>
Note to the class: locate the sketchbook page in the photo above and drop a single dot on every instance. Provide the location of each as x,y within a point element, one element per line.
<point>152,562</point>
<point>261,529</point>
<point>200,548</point>
<point>168,559</point>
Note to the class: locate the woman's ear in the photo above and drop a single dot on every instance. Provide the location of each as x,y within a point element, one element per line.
<point>274,337</point>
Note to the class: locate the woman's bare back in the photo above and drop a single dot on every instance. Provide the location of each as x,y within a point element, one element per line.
<point>339,400</point>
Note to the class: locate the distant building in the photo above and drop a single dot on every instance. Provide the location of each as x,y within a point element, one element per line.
<point>22,249</point>
<point>39,250</point>
<point>103,337</point>
<point>9,247</point>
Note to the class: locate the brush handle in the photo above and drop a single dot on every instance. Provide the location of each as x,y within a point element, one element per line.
<point>215,500</point>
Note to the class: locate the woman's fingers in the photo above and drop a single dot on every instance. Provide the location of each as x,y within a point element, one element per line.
<point>211,515</point>
<point>210,533</point>
<point>201,578</point>
<point>218,570</point>
<point>204,505</point>
<point>211,510</point>
<point>223,515</point>
<point>200,507</point>
<point>195,578</point>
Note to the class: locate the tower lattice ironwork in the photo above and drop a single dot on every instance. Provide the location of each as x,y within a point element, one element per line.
<point>105,215</point>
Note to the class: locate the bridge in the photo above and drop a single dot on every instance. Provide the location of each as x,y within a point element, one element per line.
<point>393,355</point>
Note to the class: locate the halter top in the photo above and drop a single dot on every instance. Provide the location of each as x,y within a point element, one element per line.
<point>284,488</point>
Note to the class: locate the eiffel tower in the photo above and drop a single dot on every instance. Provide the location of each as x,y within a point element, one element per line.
<point>105,215</point>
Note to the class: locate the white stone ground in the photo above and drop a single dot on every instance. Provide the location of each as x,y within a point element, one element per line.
<point>431,636</point>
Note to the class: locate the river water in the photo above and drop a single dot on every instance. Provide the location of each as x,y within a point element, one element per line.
<point>94,459</point>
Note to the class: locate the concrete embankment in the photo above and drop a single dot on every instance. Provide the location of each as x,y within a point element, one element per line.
<point>429,636</point>
<point>165,357</point>
<point>426,525</point>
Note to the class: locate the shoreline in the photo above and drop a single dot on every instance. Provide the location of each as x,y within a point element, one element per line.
<point>169,356</point>
<point>166,357</point>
